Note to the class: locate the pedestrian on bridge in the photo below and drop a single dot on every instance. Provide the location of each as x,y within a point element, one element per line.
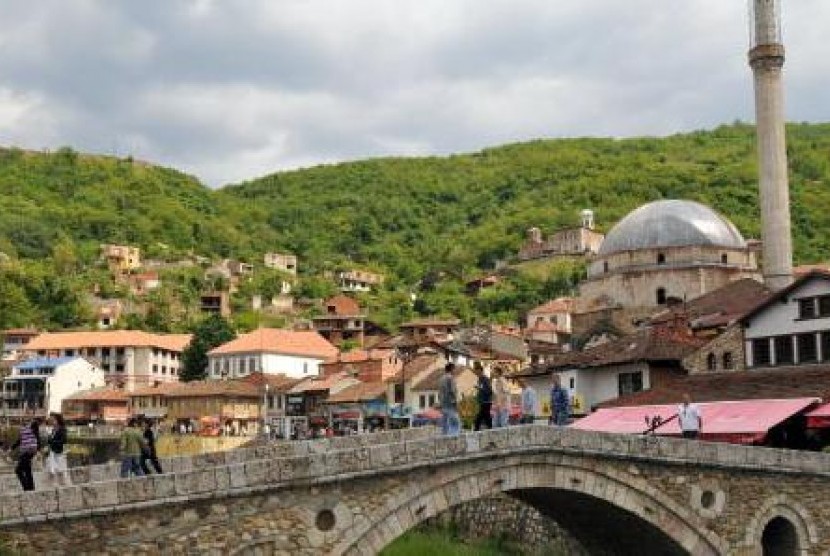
<point>484,397</point>
<point>530,403</point>
<point>691,421</point>
<point>560,403</point>
<point>448,396</point>
<point>56,463</point>
<point>27,446</point>
<point>132,444</point>
<point>148,450</point>
<point>501,398</point>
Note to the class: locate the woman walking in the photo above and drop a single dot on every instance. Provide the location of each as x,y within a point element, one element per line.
<point>56,463</point>
<point>27,445</point>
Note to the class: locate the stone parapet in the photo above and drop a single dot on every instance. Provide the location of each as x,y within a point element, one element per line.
<point>265,468</point>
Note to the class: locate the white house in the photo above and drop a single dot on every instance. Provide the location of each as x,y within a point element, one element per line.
<point>293,353</point>
<point>624,366</point>
<point>791,327</point>
<point>39,386</point>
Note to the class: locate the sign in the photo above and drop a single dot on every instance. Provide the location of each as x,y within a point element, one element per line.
<point>375,408</point>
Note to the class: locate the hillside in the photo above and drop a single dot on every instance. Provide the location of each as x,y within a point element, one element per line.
<point>428,222</point>
<point>466,211</point>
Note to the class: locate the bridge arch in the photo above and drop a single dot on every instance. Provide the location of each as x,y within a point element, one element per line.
<point>554,488</point>
<point>781,526</point>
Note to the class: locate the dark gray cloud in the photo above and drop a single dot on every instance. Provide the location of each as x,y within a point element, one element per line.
<point>233,89</point>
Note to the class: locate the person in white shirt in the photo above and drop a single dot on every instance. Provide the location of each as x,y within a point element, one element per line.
<point>690,418</point>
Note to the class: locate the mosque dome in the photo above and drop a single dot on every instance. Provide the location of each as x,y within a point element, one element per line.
<point>671,223</point>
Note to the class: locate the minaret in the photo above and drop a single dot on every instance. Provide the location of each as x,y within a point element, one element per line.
<point>766,57</point>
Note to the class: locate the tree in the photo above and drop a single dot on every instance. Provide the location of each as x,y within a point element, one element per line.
<point>208,334</point>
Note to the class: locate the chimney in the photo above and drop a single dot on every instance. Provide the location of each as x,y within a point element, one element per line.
<point>766,57</point>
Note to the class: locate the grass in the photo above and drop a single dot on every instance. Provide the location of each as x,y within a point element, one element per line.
<point>422,543</point>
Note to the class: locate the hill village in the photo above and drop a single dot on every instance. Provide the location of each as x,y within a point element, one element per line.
<point>673,304</point>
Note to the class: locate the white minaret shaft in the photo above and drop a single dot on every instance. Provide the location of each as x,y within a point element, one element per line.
<point>766,57</point>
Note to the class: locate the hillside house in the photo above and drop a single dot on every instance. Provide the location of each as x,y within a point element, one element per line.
<point>358,280</point>
<point>121,259</point>
<point>294,353</point>
<point>281,261</point>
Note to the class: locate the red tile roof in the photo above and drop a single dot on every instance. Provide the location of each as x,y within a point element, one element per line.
<point>558,305</point>
<point>276,383</point>
<point>433,379</point>
<point>307,343</point>
<point>108,338</point>
<point>214,388</point>
<point>783,383</point>
<point>431,322</point>
<point>718,307</point>
<point>653,345</point>
<point>362,392</point>
<point>105,394</point>
<point>343,305</point>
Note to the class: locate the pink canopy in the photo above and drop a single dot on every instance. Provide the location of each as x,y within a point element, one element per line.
<point>819,418</point>
<point>740,422</point>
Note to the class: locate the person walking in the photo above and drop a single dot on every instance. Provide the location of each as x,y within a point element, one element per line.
<point>131,446</point>
<point>530,404</point>
<point>484,397</point>
<point>560,403</point>
<point>27,445</point>
<point>56,464</point>
<point>448,397</point>
<point>690,418</point>
<point>501,398</point>
<point>148,450</point>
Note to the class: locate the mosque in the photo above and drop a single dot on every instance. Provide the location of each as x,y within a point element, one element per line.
<point>667,251</point>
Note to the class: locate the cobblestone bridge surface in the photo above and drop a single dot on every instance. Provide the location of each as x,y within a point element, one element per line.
<point>613,493</point>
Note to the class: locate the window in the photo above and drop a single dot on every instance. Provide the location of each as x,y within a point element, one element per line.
<point>761,354</point>
<point>661,296</point>
<point>431,400</point>
<point>155,369</point>
<point>422,401</point>
<point>69,352</point>
<point>661,258</point>
<point>825,346</point>
<point>824,306</point>
<point>728,362</point>
<point>119,368</point>
<point>630,383</point>
<point>711,362</point>
<point>724,259</point>
<point>398,393</point>
<point>807,308</point>
<point>783,350</point>
<point>572,383</point>
<point>807,348</point>
<point>164,369</point>
<point>605,266</point>
<point>305,368</point>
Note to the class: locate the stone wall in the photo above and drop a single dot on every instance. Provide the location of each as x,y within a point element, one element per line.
<point>730,341</point>
<point>505,517</point>
<point>354,496</point>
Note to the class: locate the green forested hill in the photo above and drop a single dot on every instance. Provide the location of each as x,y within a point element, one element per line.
<point>444,218</point>
<point>466,211</point>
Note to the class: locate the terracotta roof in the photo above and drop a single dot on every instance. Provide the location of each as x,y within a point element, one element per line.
<point>343,306</point>
<point>105,394</point>
<point>783,383</point>
<point>359,393</point>
<point>558,305</point>
<point>20,332</point>
<point>807,268</point>
<point>108,338</point>
<point>720,306</point>
<point>318,384</point>
<point>272,340</point>
<point>207,388</point>
<point>159,390</point>
<point>276,383</point>
<point>431,322</point>
<point>651,345</point>
<point>433,379</point>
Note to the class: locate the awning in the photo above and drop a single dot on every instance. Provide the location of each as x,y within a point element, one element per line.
<point>738,422</point>
<point>819,418</point>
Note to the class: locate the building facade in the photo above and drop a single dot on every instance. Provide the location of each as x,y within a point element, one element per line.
<point>792,327</point>
<point>294,353</point>
<point>568,242</point>
<point>129,358</point>
<point>281,261</point>
<point>39,386</point>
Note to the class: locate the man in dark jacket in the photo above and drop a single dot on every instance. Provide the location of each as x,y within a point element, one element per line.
<point>148,452</point>
<point>27,445</point>
<point>56,463</point>
<point>484,397</point>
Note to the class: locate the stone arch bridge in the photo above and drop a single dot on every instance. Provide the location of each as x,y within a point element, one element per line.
<point>616,494</point>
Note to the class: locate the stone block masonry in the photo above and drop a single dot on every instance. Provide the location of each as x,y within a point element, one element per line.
<point>350,497</point>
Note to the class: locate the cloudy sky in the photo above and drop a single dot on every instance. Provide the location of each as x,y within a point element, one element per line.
<point>234,89</point>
